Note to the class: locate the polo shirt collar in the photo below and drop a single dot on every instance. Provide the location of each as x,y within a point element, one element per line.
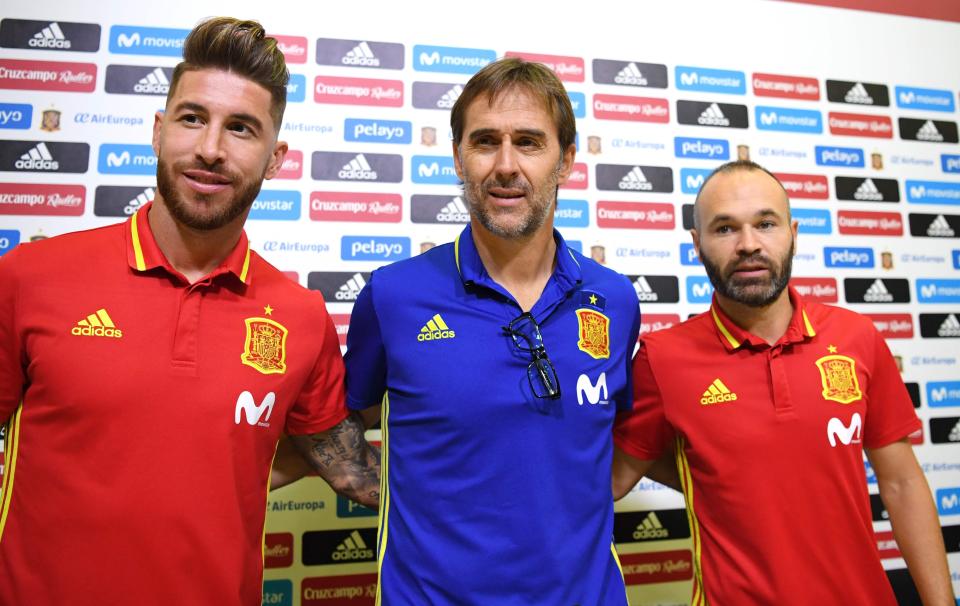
<point>733,337</point>
<point>143,254</point>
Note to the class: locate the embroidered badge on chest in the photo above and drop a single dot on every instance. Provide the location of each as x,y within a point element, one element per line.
<point>265,348</point>
<point>839,377</point>
<point>594,332</point>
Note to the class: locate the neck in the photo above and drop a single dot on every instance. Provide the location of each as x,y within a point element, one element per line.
<point>521,265</point>
<point>194,253</point>
<point>769,322</point>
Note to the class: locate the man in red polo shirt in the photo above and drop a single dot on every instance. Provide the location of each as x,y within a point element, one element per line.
<point>148,369</point>
<point>769,402</point>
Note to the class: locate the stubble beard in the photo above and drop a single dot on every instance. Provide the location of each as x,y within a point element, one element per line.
<point>246,190</point>
<point>538,207</point>
<point>755,292</point>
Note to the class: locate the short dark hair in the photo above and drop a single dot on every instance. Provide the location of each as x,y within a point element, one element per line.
<point>241,47</point>
<point>507,74</point>
<point>732,167</point>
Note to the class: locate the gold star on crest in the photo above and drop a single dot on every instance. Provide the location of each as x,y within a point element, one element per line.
<point>832,348</point>
<point>267,309</point>
<point>593,299</point>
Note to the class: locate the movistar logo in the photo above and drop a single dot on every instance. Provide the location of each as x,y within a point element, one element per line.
<point>595,393</point>
<point>844,433</point>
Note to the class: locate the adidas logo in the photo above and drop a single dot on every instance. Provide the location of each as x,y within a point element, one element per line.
<point>141,199</point>
<point>954,433</point>
<point>717,393</point>
<point>454,212</point>
<point>358,168</point>
<point>351,289</point>
<point>712,116</point>
<point>361,54</point>
<point>49,37</point>
<point>858,94</point>
<point>644,292</point>
<point>353,548</point>
<point>877,293</point>
<point>154,83</point>
<point>435,329</point>
<point>630,75</point>
<point>650,528</point>
<point>940,228</point>
<point>97,324</point>
<point>38,158</point>
<point>868,191</point>
<point>929,132</point>
<point>450,97</point>
<point>950,327</point>
<point>635,179</point>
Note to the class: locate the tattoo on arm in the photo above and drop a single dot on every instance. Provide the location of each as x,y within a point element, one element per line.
<point>342,457</point>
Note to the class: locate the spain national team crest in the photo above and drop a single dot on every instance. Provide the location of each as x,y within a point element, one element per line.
<point>265,348</point>
<point>594,333</point>
<point>839,376</point>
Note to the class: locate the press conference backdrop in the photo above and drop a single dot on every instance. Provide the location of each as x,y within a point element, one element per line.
<point>856,112</point>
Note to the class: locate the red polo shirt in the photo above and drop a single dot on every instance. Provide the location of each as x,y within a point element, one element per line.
<point>770,450</point>
<point>143,414</point>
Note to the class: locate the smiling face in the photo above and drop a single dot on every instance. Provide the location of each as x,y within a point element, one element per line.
<point>745,237</point>
<point>511,164</point>
<point>215,143</point>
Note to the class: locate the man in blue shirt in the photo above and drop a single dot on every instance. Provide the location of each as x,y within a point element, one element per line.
<point>500,361</point>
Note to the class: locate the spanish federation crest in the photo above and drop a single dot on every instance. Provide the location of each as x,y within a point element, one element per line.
<point>594,328</point>
<point>265,348</point>
<point>839,376</point>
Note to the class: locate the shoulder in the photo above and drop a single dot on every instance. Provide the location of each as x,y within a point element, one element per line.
<point>822,315</point>
<point>416,272</point>
<point>66,250</point>
<point>610,282</point>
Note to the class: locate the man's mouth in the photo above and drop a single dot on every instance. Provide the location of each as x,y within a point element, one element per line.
<point>205,181</point>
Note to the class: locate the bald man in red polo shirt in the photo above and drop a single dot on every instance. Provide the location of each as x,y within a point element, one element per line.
<point>769,402</point>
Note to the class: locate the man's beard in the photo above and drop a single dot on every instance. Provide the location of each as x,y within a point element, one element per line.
<point>216,217</point>
<point>753,292</point>
<point>538,207</point>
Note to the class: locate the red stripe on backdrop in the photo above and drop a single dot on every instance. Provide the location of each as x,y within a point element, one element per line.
<point>943,10</point>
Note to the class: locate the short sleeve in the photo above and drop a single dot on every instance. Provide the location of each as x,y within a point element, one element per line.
<point>643,432</point>
<point>623,400</point>
<point>890,413</point>
<point>12,363</point>
<point>320,404</point>
<point>366,357</point>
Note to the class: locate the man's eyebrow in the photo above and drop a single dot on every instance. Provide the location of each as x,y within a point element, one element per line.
<point>529,132</point>
<point>199,108</point>
<point>763,212</point>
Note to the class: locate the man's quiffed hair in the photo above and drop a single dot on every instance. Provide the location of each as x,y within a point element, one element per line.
<point>511,73</point>
<point>240,47</point>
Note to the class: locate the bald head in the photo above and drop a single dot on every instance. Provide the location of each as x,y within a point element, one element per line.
<point>722,177</point>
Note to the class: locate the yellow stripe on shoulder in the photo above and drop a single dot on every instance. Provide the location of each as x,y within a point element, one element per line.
<point>135,238</point>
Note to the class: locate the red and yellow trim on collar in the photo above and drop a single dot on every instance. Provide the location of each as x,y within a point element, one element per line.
<point>732,336</point>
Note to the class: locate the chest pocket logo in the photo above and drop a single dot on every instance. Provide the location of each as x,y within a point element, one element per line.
<point>839,377</point>
<point>847,434</point>
<point>595,393</point>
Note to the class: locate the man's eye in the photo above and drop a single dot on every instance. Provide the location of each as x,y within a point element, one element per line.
<point>190,118</point>
<point>239,128</point>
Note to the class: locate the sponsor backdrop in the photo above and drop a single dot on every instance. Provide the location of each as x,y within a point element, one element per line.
<point>856,112</point>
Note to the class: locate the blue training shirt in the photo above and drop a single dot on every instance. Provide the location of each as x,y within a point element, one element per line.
<point>492,495</point>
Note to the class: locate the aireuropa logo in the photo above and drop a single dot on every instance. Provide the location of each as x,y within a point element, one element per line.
<point>786,87</point>
<point>930,290</point>
<point>699,289</point>
<point>944,430</point>
<point>362,167</point>
<point>436,95</point>
<point>19,74</point>
<point>434,170</point>
<point>948,501</point>
<point>297,88</point>
<point>941,394</point>
<point>950,163</point>
<point>344,546</point>
<point>568,69</point>
<point>814,187</point>
<point>17,116</point>
<point>276,205</point>
<point>358,91</point>
<point>869,223</point>
<point>44,156</point>
<point>691,179</point>
<point>124,159</point>
<point>635,215</point>
<point>338,286</point>
<point>934,226</point>
<point>377,131</point>
<point>710,80</point>
<point>374,248</point>
<point>932,192</point>
<point>705,113</point>
<point>578,101</point>
<point>438,209</point>
<point>360,53</point>
<point>858,93</point>
<point>656,289</point>
<point>821,290</point>
<point>877,290</point>
<point>940,326</point>
<point>356,206</point>
<point>634,178</point>
<point>450,59</point>
<point>703,149</point>
<point>630,73</point>
<point>813,220</point>
<point>860,125</point>
<point>788,120</point>
<point>931,131</point>
<point>138,80</point>
<point>571,213</point>
<point>893,326</point>
<point>872,189</point>
<point>139,40</point>
<point>632,109</point>
<point>839,156</point>
<point>277,592</point>
<point>9,238</point>
<point>50,35</point>
<point>857,258</point>
<point>120,201</point>
<point>931,99</point>
<point>688,255</point>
